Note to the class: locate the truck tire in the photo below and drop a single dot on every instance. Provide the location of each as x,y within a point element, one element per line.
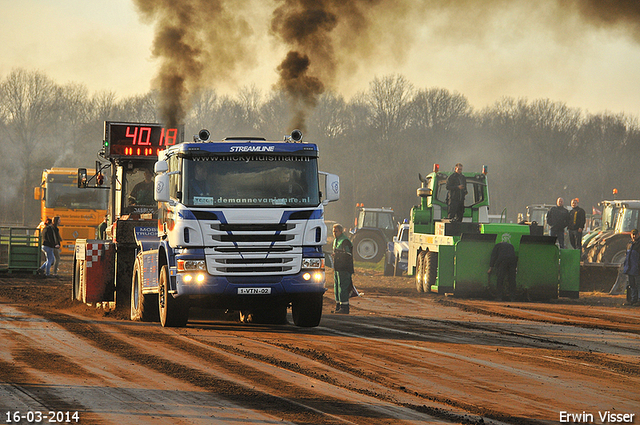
<point>431,270</point>
<point>388,267</point>
<point>396,267</point>
<point>306,310</point>
<point>420,271</point>
<point>174,312</point>
<point>368,247</point>
<point>144,307</point>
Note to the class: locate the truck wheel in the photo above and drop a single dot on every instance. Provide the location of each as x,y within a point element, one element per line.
<point>431,270</point>
<point>174,312</point>
<point>368,246</point>
<point>306,310</point>
<point>144,307</point>
<point>420,271</point>
<point>396,268</point>
<point>388,268</point>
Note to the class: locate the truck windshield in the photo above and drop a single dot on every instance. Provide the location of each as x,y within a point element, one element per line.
<point>68,195</point>
<point>251,181</point>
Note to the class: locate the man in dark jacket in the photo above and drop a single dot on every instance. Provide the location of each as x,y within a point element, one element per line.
<point>631,267</point>
<point>48,245</point>
<point>57,249</point>
<point>503,258</point>
<point>343,269</point>
<point>457,187</point>
<point>558,219</point>
<point>577,219</point>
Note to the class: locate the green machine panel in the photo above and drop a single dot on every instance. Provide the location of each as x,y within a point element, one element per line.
<point>538,267</point>
<point>472,255</point>
<point>569,273</point>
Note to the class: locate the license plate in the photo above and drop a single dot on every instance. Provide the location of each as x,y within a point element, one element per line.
<point>254,291</point>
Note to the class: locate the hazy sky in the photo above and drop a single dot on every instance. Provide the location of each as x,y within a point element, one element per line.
<point>516,51</point>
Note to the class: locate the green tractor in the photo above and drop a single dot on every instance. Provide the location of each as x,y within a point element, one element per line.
<point>374,228</point>
<point>453,257</point>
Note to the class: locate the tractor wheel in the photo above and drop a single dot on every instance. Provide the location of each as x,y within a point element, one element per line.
<point>613,252</point>
<point>368,246</point>
<point>431,270</point>
<point>420,271</point>
<point>76,285</point>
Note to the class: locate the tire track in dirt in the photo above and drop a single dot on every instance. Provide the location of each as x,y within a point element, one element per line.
<point>293,402</point>
<point>589,318</point>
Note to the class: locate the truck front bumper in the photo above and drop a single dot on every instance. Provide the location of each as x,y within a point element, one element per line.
<point>202,283</point>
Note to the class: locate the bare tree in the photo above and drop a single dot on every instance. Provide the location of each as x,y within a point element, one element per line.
<point>439,120</point>
<point>390,98</point>
<point>30,102</point>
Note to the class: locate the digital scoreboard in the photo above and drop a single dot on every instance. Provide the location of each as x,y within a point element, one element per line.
<point>136,140</point>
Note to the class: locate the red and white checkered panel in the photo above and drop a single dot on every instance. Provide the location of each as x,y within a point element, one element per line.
<point>93,253</point>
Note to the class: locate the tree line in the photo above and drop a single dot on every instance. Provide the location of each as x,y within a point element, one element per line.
<point>378,141</point>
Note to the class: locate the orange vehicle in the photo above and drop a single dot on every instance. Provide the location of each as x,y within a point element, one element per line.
<point>80,210</point>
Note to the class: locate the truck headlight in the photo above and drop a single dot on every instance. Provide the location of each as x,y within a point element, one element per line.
<point>191,265</point>
<point>317,276</point>
<point>313,263</point>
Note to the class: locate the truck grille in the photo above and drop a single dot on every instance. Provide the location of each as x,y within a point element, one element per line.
<point>256,249</point>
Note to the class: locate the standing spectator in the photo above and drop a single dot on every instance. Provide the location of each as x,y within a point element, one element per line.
<point>577,219</point>
<point>58,247</point>
<point>503,258</point>
<point>102,228</point>
<point>457,187</point>
<point>558,220</point>
<point>48,245</point>
<point>631,269</point>
<point>343,269</point>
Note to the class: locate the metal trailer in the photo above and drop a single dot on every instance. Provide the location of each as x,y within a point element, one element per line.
<point>453,257</point>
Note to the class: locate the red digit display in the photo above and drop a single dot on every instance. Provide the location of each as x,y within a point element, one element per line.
<point>137,140</point>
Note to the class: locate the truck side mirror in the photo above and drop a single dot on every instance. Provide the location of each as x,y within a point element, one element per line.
<point>161,167</point>
<point>82,177</point>
<point>332,187</point>
<point>161,193</point>
<point>37,193</point>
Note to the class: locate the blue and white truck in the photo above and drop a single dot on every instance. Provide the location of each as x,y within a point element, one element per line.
<point>240,227</point>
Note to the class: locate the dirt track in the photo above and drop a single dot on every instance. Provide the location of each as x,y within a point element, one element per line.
<point>400,357</point>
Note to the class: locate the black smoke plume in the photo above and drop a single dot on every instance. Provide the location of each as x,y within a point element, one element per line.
<point>198,42</point>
